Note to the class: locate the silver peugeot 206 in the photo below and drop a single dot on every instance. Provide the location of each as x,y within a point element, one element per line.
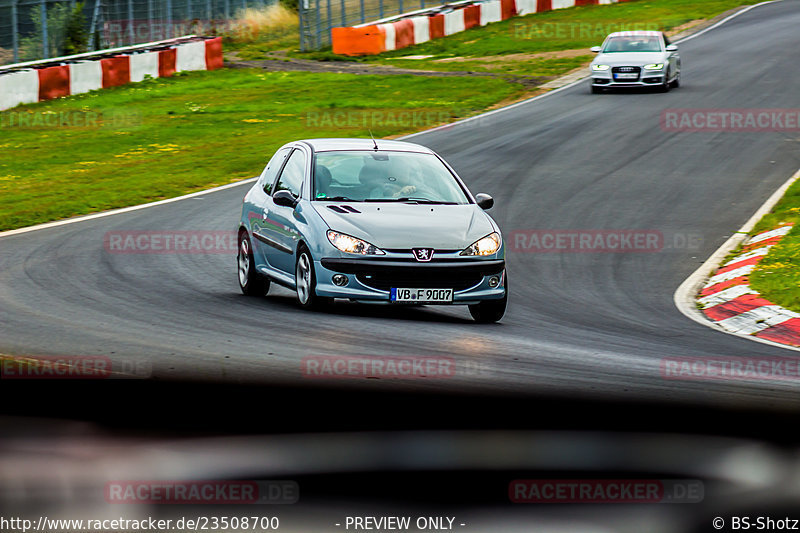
<point>370,221</point>
<point>636,59</point>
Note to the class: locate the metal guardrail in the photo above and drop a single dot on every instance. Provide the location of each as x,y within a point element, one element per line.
<point>38,29</point>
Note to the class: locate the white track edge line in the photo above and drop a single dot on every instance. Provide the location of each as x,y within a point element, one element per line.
<point>686,293</point>
<point>230,185</point>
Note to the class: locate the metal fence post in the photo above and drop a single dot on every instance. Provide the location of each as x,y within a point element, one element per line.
<point>45,47</point>
<point>301,25</point>
<point>14,30</point>
<point>131,32</point>
<point>399,6</point>
<point>169,20</point>
<point>189,11</point>
<point>317,29</point>
<point>330,20</point>
<point>227,9</point>
<point>363,15</point>
<point>344,13</point>
<point>380,9</point>
<point>209,13</point>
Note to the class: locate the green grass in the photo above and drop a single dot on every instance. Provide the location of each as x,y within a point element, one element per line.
<point>202,129</point>
<point>576,28</point>
<point>777,276</point>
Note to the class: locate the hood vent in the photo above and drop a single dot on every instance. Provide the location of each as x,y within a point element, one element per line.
<point>343,209</point>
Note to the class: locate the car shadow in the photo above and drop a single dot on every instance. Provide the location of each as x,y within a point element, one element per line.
<point>346,308</point>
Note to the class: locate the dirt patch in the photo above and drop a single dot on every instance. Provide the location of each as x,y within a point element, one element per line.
<point>520,57</point>
<point>278,63</point>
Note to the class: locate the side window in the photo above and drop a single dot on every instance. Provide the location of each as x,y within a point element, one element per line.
<point>666,40</point>
<point>292,176</point>
<point>272,168</point>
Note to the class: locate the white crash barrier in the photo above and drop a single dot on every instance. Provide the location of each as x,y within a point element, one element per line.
<point>85,76</point>
<point>491,12</point>
<point>19,87</point>
<point>454,22</point>
<point>190,56</point>
<point>145,64</point>
<point>422,31</point>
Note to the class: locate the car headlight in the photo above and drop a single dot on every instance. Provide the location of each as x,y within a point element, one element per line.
<point>654,66</point>
<point>485,246</point>
<point>600,67</point>
<point>351,245</point>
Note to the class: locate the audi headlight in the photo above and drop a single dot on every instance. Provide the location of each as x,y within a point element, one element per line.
<point>351,245</point>
<point>654,66</point>
<point>600,67</point>
<point>485,246</point>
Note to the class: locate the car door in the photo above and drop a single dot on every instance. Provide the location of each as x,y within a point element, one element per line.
<point>281,230</point>
<point>261,199</point>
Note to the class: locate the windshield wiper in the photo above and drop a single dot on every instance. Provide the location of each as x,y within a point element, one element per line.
<point>410,199</point>
<point>338,199</point>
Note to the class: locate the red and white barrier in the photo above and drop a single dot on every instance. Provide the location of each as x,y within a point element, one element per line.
<point>19,87</point>
<point>191,56</point>
<point>142,65</point>
<point>408,30</point>
<point>85,76</point>
<point>81,74</point>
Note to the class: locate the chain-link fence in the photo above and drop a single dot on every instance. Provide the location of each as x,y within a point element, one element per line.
<point>317,17</point>
<point>41,29</point>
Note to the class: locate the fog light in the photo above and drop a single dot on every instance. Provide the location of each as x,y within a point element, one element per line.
<point>340,280</point>
<point>494,281</point>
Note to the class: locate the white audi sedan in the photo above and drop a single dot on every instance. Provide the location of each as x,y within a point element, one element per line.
<point>636,59</point>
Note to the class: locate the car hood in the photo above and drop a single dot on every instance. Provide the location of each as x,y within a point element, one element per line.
<point>402,225</point>
<point>630,58</point>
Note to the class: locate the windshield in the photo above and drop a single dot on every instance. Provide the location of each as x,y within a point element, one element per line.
<point>633,43</point>
<point>384,176</point>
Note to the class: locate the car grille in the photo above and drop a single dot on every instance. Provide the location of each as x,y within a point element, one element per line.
<point>420,279</point>
<point>626,70</point>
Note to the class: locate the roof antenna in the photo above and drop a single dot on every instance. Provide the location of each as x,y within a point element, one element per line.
<point>373,140</point>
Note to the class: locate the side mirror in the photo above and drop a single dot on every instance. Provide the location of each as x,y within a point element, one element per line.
<point>672,48</point>
<point>595,49</point>
<point>284,199</point>
<point>484,201</point>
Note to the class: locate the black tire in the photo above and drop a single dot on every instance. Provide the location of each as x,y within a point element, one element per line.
<point>251,282</point>
<point>677,81</point>
<point>306,282</point>
<point>665,87</point>
<point>490,311</point>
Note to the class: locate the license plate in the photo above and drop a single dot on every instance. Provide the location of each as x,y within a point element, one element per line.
<point>626,76</point>
<point>422,295</point>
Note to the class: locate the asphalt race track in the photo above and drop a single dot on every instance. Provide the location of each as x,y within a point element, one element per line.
<point>581,324</point>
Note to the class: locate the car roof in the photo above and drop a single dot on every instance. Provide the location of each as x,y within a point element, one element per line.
<point>636,33</point>
<point>330,145</point>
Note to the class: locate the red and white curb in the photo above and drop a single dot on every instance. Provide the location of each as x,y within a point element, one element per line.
<point>728,300</point>
<point>75,75</point>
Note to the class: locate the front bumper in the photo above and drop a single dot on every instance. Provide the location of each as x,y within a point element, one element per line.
<point>644,78</point>
<point>370,280</point>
